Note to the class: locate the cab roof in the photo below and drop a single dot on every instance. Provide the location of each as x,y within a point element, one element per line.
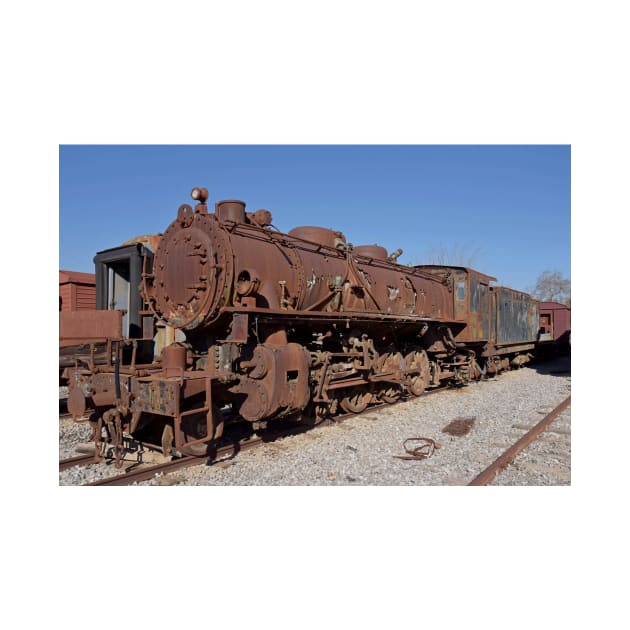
<point>468,270</point>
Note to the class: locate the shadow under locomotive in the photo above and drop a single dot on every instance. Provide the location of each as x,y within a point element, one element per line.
<point>553,365</point>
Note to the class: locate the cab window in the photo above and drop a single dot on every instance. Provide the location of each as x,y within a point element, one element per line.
<point>460,290</point>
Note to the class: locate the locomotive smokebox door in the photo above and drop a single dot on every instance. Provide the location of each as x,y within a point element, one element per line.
<point>189,270</point>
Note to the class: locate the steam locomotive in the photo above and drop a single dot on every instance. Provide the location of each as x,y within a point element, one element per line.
<point>255,325</point>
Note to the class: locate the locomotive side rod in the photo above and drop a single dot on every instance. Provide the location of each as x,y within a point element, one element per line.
<point>487,475</point>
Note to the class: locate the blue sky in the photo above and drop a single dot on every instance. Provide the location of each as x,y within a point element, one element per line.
<point>508,205</point>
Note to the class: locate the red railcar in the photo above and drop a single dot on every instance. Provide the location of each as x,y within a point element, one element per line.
<point>555,326</point>
<point>77,291</point>
<point>555,321</point>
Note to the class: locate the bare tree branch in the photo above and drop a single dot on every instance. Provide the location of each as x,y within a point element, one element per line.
<point>458,255</point>
<point>551,286</point>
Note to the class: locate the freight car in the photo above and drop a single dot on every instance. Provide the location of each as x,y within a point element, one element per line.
<point>77,292</point>
<point>294,325</point>
<point>554,334</point>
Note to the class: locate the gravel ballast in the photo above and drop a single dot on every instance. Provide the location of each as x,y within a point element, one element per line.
<point>491,416</point>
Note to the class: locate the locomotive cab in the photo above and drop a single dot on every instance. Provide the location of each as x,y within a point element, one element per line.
<point>118,287</point>
<point>471,292</point>
<point>500,324</point>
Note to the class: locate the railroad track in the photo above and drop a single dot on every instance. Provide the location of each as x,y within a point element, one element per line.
<point>79,460</point>
<point>136,472</point>
<point>133,472</point>
<point>141,472</point>
<point>220,454</point>
<point>68,416</point>
<point>503,461</point>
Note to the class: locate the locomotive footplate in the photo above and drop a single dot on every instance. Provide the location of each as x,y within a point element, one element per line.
<point>166,395</point>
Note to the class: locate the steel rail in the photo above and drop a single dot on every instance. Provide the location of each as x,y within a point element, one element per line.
<point>220,453</point>
<point>504,460</point>
<point>143,474</point>
<point>80,460</point>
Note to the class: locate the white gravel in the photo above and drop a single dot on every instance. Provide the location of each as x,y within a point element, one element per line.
<point>70,433</point>
<point>360,451</point>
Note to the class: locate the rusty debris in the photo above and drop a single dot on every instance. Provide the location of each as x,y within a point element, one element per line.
<point>424,450</point>
<point>459,426</point>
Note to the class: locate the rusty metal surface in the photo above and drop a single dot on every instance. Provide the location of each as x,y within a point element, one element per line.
<point>72,352</point>
<point>497,315</point>
<point>142,474</point>
<point>79,460</point>
<point>150,241</point>
<point>515,316</point>
<point>206,262</point>
<point>275,380</point>
<point>157,395</point>
<point>87,325</point>
<point>322,236</point>
<point>174,360</point>
<point>471,300</point>
<point>424,448</point>
<point>376,252</point>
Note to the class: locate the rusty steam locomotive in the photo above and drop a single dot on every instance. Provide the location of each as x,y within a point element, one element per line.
<point>267,325</point>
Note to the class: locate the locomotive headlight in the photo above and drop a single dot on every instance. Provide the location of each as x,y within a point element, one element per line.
<point>199,194</point>
<point>247,282</point>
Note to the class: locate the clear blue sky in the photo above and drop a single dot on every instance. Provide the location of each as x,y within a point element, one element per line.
<point>511,204</point>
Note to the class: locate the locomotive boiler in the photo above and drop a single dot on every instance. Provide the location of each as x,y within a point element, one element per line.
<point>287,325</point>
